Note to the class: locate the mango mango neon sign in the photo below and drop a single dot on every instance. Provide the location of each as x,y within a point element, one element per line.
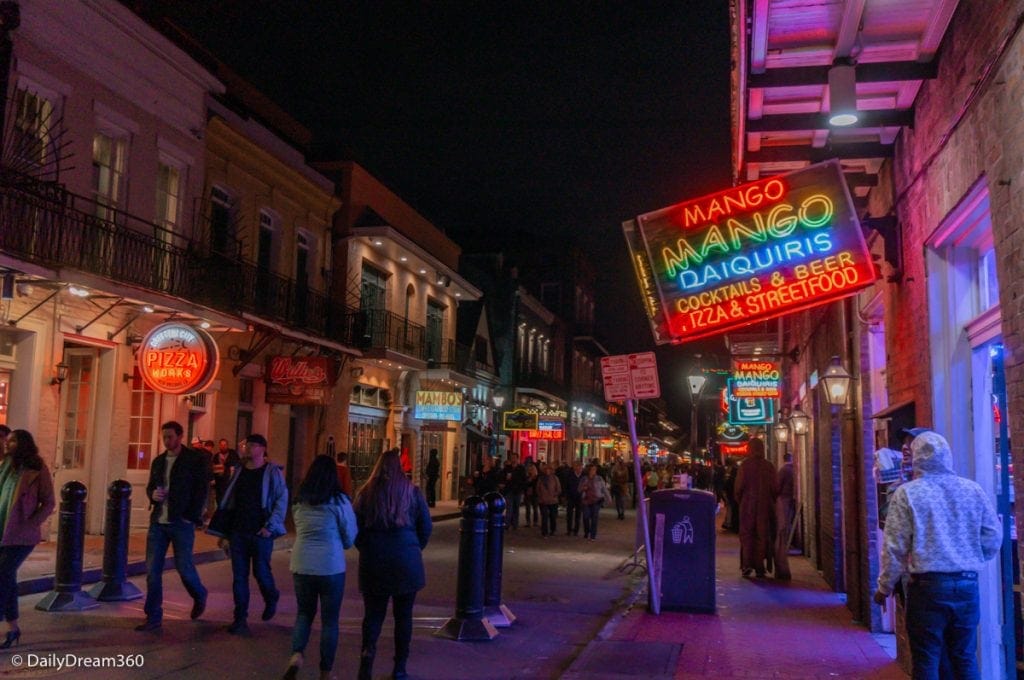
<point>749,253</point>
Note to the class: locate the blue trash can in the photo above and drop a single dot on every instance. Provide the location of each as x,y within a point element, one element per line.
<point>683,545</point>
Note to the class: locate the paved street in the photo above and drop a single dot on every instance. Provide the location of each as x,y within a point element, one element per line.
<point>578,618</point>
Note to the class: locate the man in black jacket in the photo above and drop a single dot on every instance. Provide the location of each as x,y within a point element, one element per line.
<point>178,484</point>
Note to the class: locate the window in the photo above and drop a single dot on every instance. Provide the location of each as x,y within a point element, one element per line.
<point>168,196</point>
<point>31,130</point>
<point>302,258</point>
<point>988,282</point>
<point>108,160</point>
<point>141,424</point>
<point>265,241</point>
<point>373,289</point>
<point>222,228</point>
<point>435,330</point>
<point>5,393</point>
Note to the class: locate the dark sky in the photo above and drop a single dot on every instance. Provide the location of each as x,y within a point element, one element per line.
<point>506,121</point>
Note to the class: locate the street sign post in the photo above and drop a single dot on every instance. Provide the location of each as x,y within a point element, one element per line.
<point>628,377</point>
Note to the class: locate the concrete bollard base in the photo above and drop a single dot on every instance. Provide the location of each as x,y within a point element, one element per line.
<point>115,592</point>
<point>57,601</point>
<point>499,616</point>
<point>467,630</point>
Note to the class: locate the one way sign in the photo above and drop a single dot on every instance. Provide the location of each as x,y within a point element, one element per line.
<point>630,376</point>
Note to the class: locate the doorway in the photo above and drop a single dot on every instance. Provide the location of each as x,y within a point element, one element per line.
<point>76,418</point>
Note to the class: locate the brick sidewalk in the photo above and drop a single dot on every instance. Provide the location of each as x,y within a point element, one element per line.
<point>763,629</point>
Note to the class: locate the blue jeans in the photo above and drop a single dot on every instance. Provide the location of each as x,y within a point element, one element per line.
<point>249,549</point>
<point>514,500</point>
<point>181,534</point>
<point>11,557</point>
<point>573,512</point>
<point>590,514</point>
<point>942,617</point>
<point>329,590</point>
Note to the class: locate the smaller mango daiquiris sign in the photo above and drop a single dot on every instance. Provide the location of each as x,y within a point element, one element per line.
<point>750,253</point>
<point>753,378</point>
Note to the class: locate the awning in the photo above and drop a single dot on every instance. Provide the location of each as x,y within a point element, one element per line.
<point>889,410</point>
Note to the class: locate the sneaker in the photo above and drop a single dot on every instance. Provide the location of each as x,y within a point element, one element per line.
<point>198,607</point>
<point>148,626</point>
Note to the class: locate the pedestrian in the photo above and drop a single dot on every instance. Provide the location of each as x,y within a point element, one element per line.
<point>26,500</point>
<point>594,493</point>
<point>485,479</point>
<point>256,501</point>
<point>343,473</point>
<point>941,528</point>
<point>785,509</point>
<point>573,501</point>
<point>394,527</point>
<point>732,517</point>
<point>755,492</point>
<point>225,460</point>
<point>530,494</point>
<point>177,488</point>
<point>620,487</point>
<point>651,481</point>
<point>548,490</point>
<point>325,527</point>
<point>433,473</point>
<point>515,484</point>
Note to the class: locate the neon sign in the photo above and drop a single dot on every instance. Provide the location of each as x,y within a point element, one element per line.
<point>757,378</point>
<point>749,253</point>
<point>176,358</point>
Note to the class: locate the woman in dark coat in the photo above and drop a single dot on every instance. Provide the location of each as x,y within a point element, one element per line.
<point>394,527</point>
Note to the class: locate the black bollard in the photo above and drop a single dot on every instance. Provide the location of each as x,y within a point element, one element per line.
<point>115,586</point>
<point>67,594</point>
<point>494,611</point>
<point>469,622</point>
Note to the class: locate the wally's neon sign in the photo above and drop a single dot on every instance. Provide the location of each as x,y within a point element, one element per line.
<point>749,253</point>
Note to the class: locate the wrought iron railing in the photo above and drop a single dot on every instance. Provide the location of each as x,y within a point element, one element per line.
<point>381,329</point>
<point>42,222</point>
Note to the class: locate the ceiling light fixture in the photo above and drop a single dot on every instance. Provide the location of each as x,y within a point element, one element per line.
<point>78,292</point>
<point>842,93</point>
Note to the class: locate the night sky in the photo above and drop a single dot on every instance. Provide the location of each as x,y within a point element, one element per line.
<point>506,121</point>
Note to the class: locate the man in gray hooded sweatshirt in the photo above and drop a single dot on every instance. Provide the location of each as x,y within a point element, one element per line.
<point>941,528</point>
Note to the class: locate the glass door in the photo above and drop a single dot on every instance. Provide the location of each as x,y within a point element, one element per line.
<point>77,399</point>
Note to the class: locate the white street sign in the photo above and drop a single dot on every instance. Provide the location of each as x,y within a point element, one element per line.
<point>630,376</point>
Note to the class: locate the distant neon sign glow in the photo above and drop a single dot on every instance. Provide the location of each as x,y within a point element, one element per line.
<point>749,253</point>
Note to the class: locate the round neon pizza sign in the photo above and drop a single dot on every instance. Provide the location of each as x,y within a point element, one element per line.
<point>178,359</point>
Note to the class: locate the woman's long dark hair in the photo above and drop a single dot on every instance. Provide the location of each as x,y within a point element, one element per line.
<point>26,453</point>
<point>386,498</point>
<point>320,484</point>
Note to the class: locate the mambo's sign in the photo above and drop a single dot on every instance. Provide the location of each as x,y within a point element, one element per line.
<point>300,380</point>
<point>757,378</point>
<point>436,405</point>
<point>749,253</point>
<point>178,359</point>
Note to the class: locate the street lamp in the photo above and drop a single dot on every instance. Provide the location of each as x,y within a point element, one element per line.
<point>800,420</point>
<point>837,383</point>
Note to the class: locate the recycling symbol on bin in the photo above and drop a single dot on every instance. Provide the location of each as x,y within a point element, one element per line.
<point>682,531</point>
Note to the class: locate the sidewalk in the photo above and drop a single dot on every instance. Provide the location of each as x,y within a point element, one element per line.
<point>36,574</point>
<point>763,629</point>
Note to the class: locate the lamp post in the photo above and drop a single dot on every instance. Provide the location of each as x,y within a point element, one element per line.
<point>696,381</point>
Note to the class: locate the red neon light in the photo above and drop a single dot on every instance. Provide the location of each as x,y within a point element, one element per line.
<point>734,449</point>
<point>545,434</point>
<point>177,359</point>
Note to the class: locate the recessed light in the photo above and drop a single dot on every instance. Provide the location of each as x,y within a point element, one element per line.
<point>378,242</point>
<point>458,295</point>
<point>78,292</point>
<point>423,271</point>
<point>147,309</point>
<point>204,325</point>
<point>403,258</point>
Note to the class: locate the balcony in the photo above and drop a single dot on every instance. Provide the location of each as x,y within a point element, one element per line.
<point>378,330</point>
<point>545,381</point>
<point>43,223</point>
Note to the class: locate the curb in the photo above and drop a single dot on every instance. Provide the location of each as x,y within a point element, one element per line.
<point>44,584</point>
